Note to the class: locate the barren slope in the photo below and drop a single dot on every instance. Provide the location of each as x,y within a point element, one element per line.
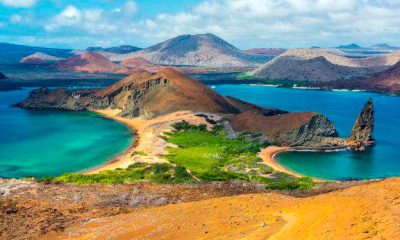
<point>337,58</point>
<point>317,70</point>
<point>388,80</point>
<point>90,62</point>
<point>204,50</point>
<point>368,211</point>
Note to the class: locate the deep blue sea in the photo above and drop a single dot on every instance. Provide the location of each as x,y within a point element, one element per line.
<point>49,143</point>
<point>342,108</point>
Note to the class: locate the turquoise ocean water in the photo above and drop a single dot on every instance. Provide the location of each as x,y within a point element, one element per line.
<point>49,143</point>
<point>342,108</point>
<point>41,143</point>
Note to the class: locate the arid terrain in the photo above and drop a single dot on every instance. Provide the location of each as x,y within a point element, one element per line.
<point>369,211</point>
<point>347,210</point>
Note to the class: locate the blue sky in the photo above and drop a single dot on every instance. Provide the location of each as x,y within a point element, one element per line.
<point>245,23</point>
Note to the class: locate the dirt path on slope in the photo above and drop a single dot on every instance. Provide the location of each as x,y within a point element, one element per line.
<point>370,211</point>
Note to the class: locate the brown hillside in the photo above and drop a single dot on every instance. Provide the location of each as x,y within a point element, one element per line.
<point>90,62</point>
<point>388,80</point>
<point>289,129</point>
<point>165,92</point>
<point>139,63</point>
<point>369,211</point>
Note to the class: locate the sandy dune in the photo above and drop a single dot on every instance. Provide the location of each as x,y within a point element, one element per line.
<point>370,211</point>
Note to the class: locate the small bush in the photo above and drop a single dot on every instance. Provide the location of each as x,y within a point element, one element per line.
<point>140,153</point>
<point>184,125</point>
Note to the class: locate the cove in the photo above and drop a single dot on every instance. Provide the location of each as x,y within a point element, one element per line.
<point>49,143</point>
<point>342,108</point>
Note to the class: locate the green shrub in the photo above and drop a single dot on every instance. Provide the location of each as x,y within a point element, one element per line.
<point>160,173</point>
<point>205,154</point>
<point>184,125</point>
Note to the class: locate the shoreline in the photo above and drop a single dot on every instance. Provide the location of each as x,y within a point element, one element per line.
<point>117,160</point>
<point>147,146</point>
<point>268,155</point>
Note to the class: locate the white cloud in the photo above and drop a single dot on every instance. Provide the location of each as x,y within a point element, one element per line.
<point>18,3</point>
<point>130,7</point>
<point>93,21</point>
<point>68,17</point>
<point>291,23</point>
<point>246,23</point>
<point>15,18</point>
<point>88,19</point>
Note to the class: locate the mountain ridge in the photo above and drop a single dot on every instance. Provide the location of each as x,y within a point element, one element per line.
<point>202,50</point>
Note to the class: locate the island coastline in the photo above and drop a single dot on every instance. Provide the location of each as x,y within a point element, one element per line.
<point>147,146</point>
<point>268,155</point>
<point>152,154</point>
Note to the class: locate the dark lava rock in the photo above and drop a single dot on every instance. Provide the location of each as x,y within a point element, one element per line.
<point>361,133</point>
<point>306,129</point>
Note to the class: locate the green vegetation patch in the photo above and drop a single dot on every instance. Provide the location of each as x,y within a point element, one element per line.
<point>206,153</point>
<point>200,155</point>
<point>213,156</point>
<point>159,173</point>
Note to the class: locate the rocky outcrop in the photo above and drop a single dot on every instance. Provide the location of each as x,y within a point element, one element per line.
<point>306,129</point>
<point>2,76</point>
<point>361,133</point>
<point>58,99</point>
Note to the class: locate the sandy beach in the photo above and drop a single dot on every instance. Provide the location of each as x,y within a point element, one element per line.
<point>147,147</point>
<point>268,156</point>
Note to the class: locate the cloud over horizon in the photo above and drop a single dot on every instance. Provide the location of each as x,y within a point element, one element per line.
<point>246,23</point>
<point>18,3</point>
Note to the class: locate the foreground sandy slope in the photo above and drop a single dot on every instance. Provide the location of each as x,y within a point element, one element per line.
<point>370,211</point>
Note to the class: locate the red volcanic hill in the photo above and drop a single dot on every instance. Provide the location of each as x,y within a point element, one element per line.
<point>388,80</point>
<point>136,63</point>
<point>90,62</point>
<point>150,95</point>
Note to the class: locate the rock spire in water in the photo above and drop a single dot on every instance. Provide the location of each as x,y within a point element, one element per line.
<point>361,133</point>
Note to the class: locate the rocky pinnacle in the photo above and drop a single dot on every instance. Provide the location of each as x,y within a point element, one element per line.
<point>361,133</point>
